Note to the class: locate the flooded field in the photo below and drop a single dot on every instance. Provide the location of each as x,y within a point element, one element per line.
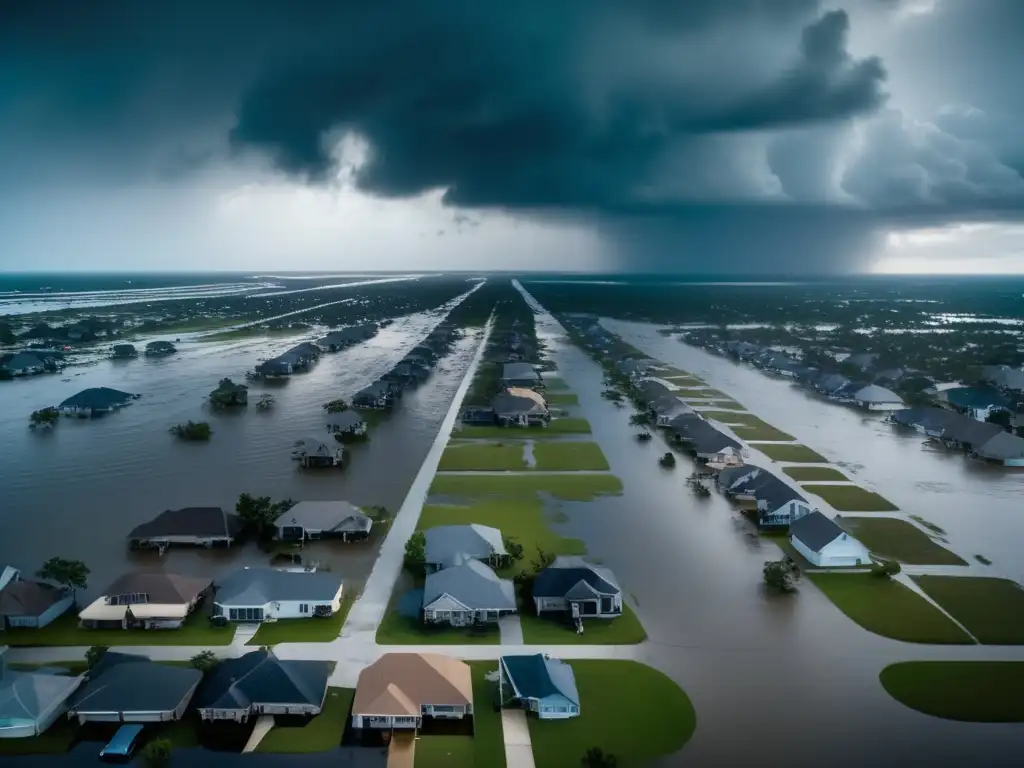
<point>78,490</point>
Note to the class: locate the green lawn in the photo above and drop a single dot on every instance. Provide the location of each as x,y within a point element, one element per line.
<point>732,417</point>
<point>522,520</point>
<point>970,691</point>
<point>991,609</point>
<point>554,456</point>
<point>800,454</point>
<point>888,608</point>
<point>486,747</point>
<point>554,384</point>
<point>851,498</point>
<point>762,431</point>
<point>719,403</point>
<point>311,630</point>
<point>569,486</point>
<point>65,631</point>
<point>566,425</point>
<point>562,398</point>
<point>626,708</point>
<point>624,630</point>
<point>396,629</point>
<point>321,734</point>
<point>462,457</point>
<point>694,393</point>
<point>898,540</point>
<point>815,473</point>
<point>55,740</point>
<point>683,378</point>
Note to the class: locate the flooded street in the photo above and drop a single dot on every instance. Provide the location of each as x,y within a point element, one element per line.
<point>775,679</point>
<point>78,490</point>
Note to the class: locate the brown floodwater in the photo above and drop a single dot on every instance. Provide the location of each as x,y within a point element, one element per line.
<point>77,490</point>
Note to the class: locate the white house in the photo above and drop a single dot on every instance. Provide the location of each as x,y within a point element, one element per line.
<point>266,594</point>
<point>825,544</point>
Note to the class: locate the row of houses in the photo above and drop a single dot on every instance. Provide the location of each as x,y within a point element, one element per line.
<point>981,440</point>
<point>152,349</point>
<point>31,362</point>
<point>520,401</point>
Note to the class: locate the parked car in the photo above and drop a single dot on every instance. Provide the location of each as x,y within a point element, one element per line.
<point>121,748</point>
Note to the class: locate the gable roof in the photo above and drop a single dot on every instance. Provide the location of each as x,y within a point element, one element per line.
<point>473,584</point>
<point>190,521</point>
<point>702,436</point>
<point>401,683</point>
<point>517,400</point>
<point>815,531</point>
<point>29,598</point>
<point>319,515</point>
<point>162,588</point>
<point>519,371</point>
<point>259,586</point>
<point>24,360</point>
<point>445,542</point>
<point>539,676</point>
<point>134,684</point>
<point>260,677</point>
<point>566,572</point>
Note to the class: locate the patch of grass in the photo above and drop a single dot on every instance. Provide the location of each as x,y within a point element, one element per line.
<point>732,417</point>
<point>888,608</point>
<point>64,630</point>
<point>851,498</point>
<point>894,539</point>
<point>554,384</point>
<point>731,404</point>
<point>983,560</point>
<point>562,398</point>
<point>569,456</point>
<point>623,630</point>
<point>799,454</point>
<point>815,473</point>
<point>926,524</point>
<point>683,378</point>
<point>486,747</point>
<point>760,431</point>
<point>566,425</point>
<point>626,708</point>
<point>321,734</point>
<point>522,520</point>
<point>568,486</point>
<point>312,630</point>
<point>397,629</point>
<point>969,691</point>
<point>699,394</point>
<point>482,457</point>
<point>991,609</point>
<point>183,734</point>
<point>55,740</point>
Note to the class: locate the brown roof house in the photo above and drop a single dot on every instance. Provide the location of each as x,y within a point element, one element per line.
<point>31,604</point>
<point>400,689</point>
<point>145,600</point>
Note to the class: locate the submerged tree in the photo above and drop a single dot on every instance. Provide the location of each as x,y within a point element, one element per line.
<point>886,569</point>
<point>47,416</point>
<point>72,573</point>
<point>782,575</point>
<point>192,430</point>
<point>259,512</point>
<point>336,406</point>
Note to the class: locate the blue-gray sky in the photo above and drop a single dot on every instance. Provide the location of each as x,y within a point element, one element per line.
<point>778,136</point>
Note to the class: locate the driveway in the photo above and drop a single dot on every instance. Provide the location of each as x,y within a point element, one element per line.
<point>518,747</point>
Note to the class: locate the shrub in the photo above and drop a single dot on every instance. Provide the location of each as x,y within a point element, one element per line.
<point>192,430</point>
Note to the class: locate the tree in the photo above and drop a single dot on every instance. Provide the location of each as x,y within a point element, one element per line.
<point>44,416</point>
<point>513,547</point>
<point>336,406</point>
<point>416,551</point>
<point>157,754</point>
<point>639,419</point>
<point>192,430</point>
<point>95,654</point>
<point>781,575</point>
<point>885,569</point>
<point>257,512</point>
<point>595,757</point>
<point>1000,417</point>
<point>204,661</point>
<point>543,560</point>
<point>73,573</point>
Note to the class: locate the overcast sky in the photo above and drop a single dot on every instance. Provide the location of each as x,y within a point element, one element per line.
<point>772,136</point>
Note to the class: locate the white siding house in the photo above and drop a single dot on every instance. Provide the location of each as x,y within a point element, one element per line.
<point>825,544</point>
<point>262,594</point>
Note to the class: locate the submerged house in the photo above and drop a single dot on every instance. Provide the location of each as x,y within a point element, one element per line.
<point>539,684</point>
<point>570,585</point>
<point>775,502</point>
<point>520,407</point>
<point>266,594</point>
<point>466,593</point>
<point>312,452</point>
<point>123,351</point>
<point>448,545</point>
<point>346,423</point>
<point>189,526</point>
<point>30,702</point>
<point>520,375</point>
<point>1006,378</point>
<point>311,520</point>
<point>95,401</point>
<point>477,414</point>
<point>146,600</point>
<point>825,544</point>
<point>876,398</point>
<point>157,348</point>
<point>1004,449</point>
<point>667,408</point>
<point>702,439</point>
<point>377,396</point>
<point>228,394</point>
<point>27,603</point>
<point>25,364</point>
<point>400,690</point>
<point>977,402</point>
<point>259,683</point>
<point>275,368</point>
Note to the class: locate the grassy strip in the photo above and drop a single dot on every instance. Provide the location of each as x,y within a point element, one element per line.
<point>482,457</point>
<point>312,630</point>
<point>760,431</point>
<point>626,708</point>
<point>554,384</point>
<point>562,398</point>
<point>397,629</point>
<point>969,691</point>
<point>800,454</point>
<point>898,540</point>
<point>732,417</point>
<point>64,631</point>
<point>888,608</point>
<point>554,456</point>
<point>321,734</point>
<point>568,486</point>
<point>624,630</point>
<point>991,609</point>
<point>851,498</point>
<point>815,473</point>
<point>561,426</point>
<point>707,393</point>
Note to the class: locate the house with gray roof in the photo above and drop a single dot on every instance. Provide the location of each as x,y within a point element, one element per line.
<point>314,453</point>
<point>776,503</point>
<point>571,585</point>
<point>30,702</point>
<point>189,526</point>
<point>518,406</point>
<point>1003,448</point>
<point>95,401</point>
<point>448,545</point>
<point>124,688</point>
<point>825,544</point>
<point>260,594</point>
<point>28,603</point>
<point>346,423</point>
<point>145,600</point>
<point>1005,377</point>
<point>540,685</point>
<point>702,439</point>
<point>519,374</point>
<point>159,348</point>
<point>259,683</point>
<point>467,593</point>
<point>310,520</point>
<point>25,364</point>
<point>123,351</point>
<point>666,408</point>
<point>876,398</point>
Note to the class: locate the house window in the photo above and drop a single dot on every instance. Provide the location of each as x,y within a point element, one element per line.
<point>443,708</point>
<point>442,614</point>
<point>245,614</point>
<point>304,608</point>
<point>129,598</point>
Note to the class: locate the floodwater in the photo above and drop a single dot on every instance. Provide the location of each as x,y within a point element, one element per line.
<point>77,490</point>
<point>775,679</point>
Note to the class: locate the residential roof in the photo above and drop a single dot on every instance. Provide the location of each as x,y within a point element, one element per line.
<point>815,531</point>
<point>1001,447</point>
<point>97,397</point>
<point>29,598</point>
<point>473,584</point>
<point>201,522</point>
<point>162,588</point>
<point>157,345</point>
<point>445,542</point>
<point>774,492</point>
<point>1004,376</point>
<point>25,695</point>
<point>24,360</point>
<point>134,685</point>
<point>876,394</point>
<point>259,677</point>
<point>259,586</point>
<point>704,437</point>
<point>539,676</point>
<point>515,400</point>
<point>401,683</point>
<point>558,579</point>
<point>344,420</point>
<point>976,397</point>
<point>730,475</point>
<point>319,515</point>
<point>519,371</point>
<point>314,446</point>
